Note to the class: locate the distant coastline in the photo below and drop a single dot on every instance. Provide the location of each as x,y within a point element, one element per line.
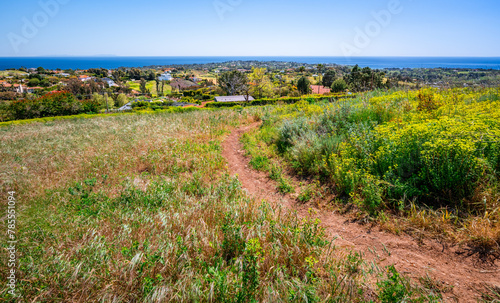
<point>112,62</point>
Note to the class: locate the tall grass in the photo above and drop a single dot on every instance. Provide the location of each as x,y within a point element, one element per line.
<point>140,208</point>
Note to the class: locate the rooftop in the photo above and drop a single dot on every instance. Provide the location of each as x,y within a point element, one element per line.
<point>233,99</point>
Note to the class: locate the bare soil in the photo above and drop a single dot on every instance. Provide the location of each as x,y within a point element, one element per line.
<point>460,275</point>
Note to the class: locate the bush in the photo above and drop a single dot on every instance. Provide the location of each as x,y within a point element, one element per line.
<point>426,100</point>
<point>304,86</point>
<point>435,148</point>
<point>339,86</point>
<point>50,105</point>
<point>175,95</point>
<point>187,100</point>
<point>142,105</point>
<point>189,93</point>
<point>393,288</point>
<point>121,100</point>
<point>8,95</point>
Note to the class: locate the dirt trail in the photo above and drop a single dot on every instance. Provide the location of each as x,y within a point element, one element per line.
<point>409,257</point>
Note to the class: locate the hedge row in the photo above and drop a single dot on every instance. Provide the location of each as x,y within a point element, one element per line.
<point>155,105</point>
<point>273,101</point>
<point>50,105</point>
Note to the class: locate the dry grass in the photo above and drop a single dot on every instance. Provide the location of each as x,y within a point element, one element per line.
<point>140,208</point>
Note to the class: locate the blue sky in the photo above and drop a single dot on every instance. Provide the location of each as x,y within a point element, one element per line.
<point>250,28</point>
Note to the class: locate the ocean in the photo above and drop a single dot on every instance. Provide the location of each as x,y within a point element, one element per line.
<point>373,62</point>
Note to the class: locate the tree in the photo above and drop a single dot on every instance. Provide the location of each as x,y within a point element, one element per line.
<point>33,82</point>
<point>364,79</point>
<point>75,86</point>
<point>99,99</point>
<point>320,68</point>
<point>233,82</point>
<point>261,84</point>
<point>44,83</point>
<point>304,86</point>
<point>328,78</point>
<point>142,86</point>
<point>121,100</point>
<point>151,75</point>
<point>339,86</point>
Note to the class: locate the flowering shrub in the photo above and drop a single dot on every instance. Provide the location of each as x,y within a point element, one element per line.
<point>437,147</point>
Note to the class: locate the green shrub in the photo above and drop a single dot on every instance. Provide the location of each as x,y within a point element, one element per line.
<point>51,105</point>
<point>260,163</point>
<point>392,289</point>
<point>339,86</point>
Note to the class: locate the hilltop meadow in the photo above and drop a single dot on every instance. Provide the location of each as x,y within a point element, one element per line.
<point>141,207</point>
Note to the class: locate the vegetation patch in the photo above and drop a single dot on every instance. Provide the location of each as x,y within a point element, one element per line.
<point>153,216</point>
<point>430,156</point>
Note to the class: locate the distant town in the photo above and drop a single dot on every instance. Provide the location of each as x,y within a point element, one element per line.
<point>125,89</point>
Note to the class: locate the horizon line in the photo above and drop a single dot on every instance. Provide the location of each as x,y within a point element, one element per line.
<point>236,56</point>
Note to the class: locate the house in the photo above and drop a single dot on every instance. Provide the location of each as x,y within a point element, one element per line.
<point>165,77</point>
<point>5,83</point>
<point>320,89</point>
<point>84,78</point>
<point>109,81</point>
<point>127,106</point>
<point>19,88</point>
<point>182,84</point>
<point>233,99</point>
<point>31,90</point>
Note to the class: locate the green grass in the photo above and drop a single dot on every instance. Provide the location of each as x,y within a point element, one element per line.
<point>150,85</point>
<point>6,73</point>
<point>90,116</point>
<point>141,208</point>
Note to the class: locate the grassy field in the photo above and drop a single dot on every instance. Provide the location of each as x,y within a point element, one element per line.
<point>6,73</point>
<point>153,216</point>
<point>425,162</point>
<point>150,85</point>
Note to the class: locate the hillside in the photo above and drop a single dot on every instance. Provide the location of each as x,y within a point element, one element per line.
<point>162,213</point>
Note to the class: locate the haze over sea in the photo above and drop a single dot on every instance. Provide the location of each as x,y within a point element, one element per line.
<point>373,62</point>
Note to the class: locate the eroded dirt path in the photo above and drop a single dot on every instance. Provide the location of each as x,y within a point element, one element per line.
<point>457,273</point>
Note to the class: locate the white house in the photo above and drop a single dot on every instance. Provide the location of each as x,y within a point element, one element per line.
<point>109,81</point>
<point>165,77</point>
<point>127,106</point>
<point>19,89</point>
<point>84,78</point>
<point>233,98</point>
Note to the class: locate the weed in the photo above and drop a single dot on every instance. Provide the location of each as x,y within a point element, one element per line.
<point>393,288</point>
<point>260,163</point>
